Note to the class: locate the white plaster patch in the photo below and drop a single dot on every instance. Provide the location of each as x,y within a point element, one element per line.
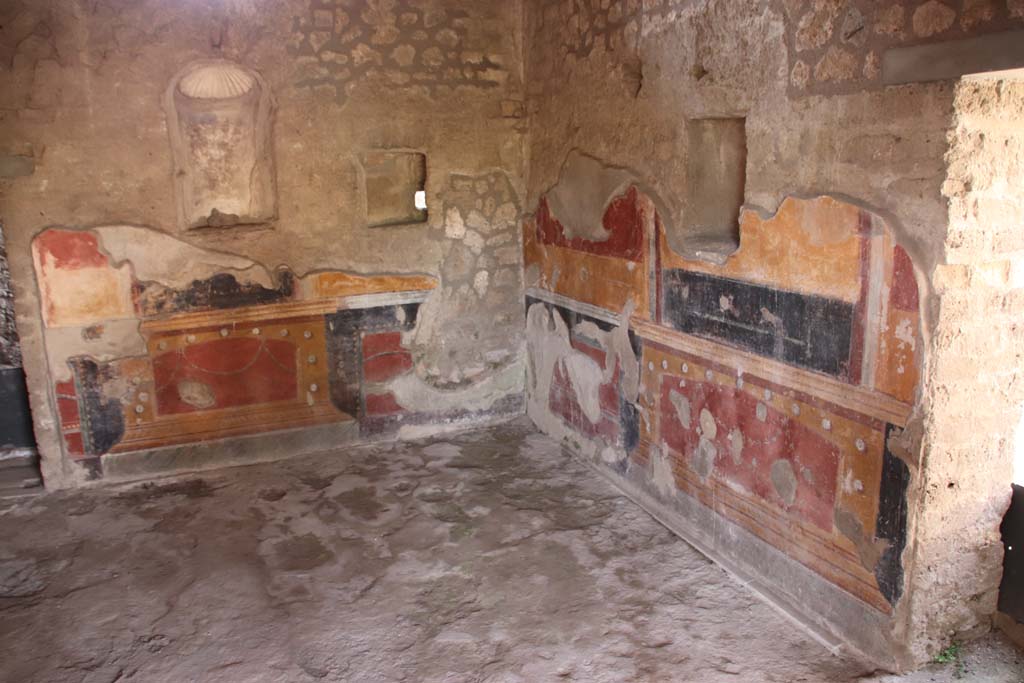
<point>480,281</point>
<point>661,472</point>
<point>158,257</point>
<point>704,457</point>
<point>454,227</point>
<point>116,339</point>
<point>416,396</point>
<point>682,406</point>
<point>736,446</point>
<point>905,333</point>
<point>708,426</point>
<point>585,377</point>
<point>612,455</point>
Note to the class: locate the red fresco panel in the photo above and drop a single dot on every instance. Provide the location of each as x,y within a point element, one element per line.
<point>386,366</point>
<point>234,372</point>
<point>384,342</point>
<point>623,220</point>
<point>69,249</point>
<point>815,461</point>
<point>904,287</point>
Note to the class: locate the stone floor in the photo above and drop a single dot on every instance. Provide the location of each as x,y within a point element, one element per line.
<point>487,556</point>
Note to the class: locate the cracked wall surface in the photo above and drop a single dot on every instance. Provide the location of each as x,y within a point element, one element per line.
<point>132,322</point>
<point>842,175</point>
<point>796,388</point>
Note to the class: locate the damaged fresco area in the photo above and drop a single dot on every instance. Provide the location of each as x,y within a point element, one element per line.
<point>147,353</point>
<point>465,349</point>
<point>154,342</point>
<point>774,388</point>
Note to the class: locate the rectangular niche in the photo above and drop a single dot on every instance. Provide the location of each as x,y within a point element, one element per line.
<point>716,183</point>
<point>395,188</point>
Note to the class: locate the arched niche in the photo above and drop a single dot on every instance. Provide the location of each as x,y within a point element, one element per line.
<point>220,120</point>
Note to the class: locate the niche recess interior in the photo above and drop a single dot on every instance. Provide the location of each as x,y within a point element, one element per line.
<point>219,116</point>
<point>395,187</point>
<point>715,186</point>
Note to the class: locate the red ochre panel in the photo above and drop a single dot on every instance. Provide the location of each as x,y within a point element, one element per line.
<point>904,286</point>
<point>814,460</point>
<point>73,441</point>
<point>68,410</point>
<point>69,250</point>
<point>382,404</point>
<point>225,373</point>
<point>383,342</point>
<point>623,220</point>
<point>386,366</point>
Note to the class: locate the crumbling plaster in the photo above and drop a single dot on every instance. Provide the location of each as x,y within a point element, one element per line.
<point>81,112</point>
<point>82,97</point>
<point>618,84</point>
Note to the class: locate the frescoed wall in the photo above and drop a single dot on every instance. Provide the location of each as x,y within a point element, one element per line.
<point>209,215</point>
<point>771,390</point>
<point>237,353</point>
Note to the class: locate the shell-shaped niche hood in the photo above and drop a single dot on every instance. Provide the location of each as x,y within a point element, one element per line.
<point>215,81</point>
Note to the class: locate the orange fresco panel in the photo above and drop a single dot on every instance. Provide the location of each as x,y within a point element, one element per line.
<point>897,372</point>
<point>331,284</point>
<point>604,281</point>
<point>808,246</point>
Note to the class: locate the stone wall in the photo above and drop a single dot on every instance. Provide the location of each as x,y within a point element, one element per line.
<point>611,89</point>
<point>10,349</point>
<point>839,46</point>
<point>973,393</point>
<point>186,206</point>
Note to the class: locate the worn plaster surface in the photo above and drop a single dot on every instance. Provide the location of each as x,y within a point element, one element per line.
<point>489,556</point>
<point>616,82</point>
<point>88,139</point>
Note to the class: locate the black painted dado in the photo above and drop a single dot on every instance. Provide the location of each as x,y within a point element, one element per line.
<point>344,331</point>
<point>15,418</point>
<point>1011,590</point>
<point>891,523</point>
<point>808,331</point>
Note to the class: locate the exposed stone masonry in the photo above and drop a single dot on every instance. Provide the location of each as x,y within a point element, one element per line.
<point>482,283</point>
<point>340,42</point>
<point>10,349</point>
<point>837,46</point>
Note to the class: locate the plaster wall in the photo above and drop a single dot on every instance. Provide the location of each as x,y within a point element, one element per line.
<point>610,87</point>
<point>85,137</point>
